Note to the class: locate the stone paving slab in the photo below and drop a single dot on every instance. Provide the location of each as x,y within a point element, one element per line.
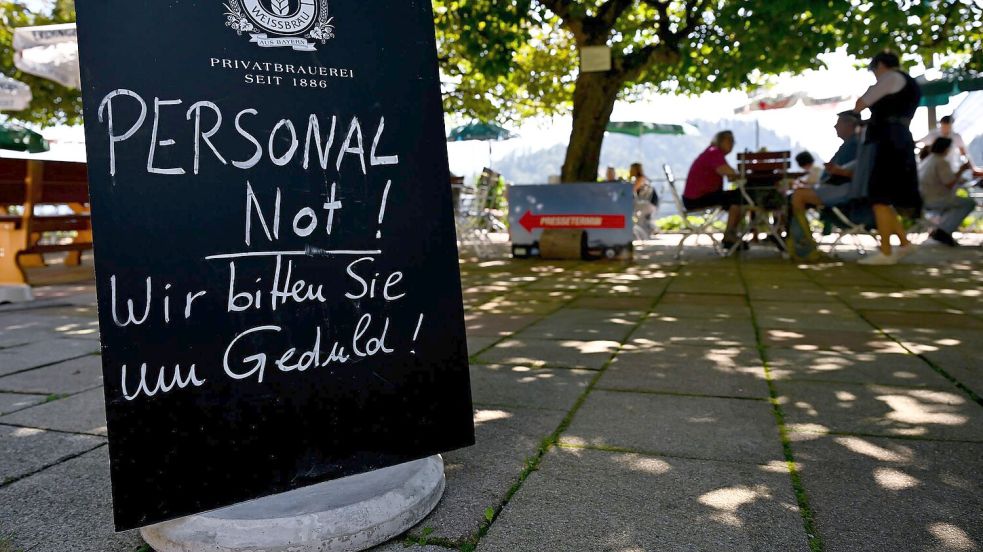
<point>889,320</point>
<point>522,386</point>
<point>24,451</point>
<point>867,341</point>
<point>72,376</point>
<point>880,410</point>
<point>516,306</point>
<point>831,309</point>
<point>811,321</point>
<point>887,369</point>
<point>688,313</point>
<point>735,372</point>
<point>82,413</point>
<point>65,508</point>
<point>496,325</point>
<point>476,344</point>
<point>16,359</point>
<point>592,355</point>
<point>584,324</point>
<point>589,500</point>
<point>963,365</point>
<point>12,402</point>
<point>808,293</point>
<point>397,545</point>
<point>480,477</point>
<point>613,303</point>
<point>889,494</point>
<point>735,430</point>
<point>699,333</point>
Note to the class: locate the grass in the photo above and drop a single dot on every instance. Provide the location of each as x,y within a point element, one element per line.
<point>6,545</point>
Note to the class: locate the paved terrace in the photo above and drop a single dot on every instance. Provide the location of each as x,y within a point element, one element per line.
<point>713,404</point>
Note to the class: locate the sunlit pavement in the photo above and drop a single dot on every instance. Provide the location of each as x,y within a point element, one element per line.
<point>702,404</point>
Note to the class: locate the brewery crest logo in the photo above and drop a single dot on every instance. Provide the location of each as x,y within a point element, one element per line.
<point>297,24</point>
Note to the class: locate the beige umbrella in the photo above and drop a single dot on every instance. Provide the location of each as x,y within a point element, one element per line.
<point>50,52</point>
<point>14,95</point>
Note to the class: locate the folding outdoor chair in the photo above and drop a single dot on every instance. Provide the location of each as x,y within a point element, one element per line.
<point>859,222</point>
<point>690,227</point>
<point>473,219</point>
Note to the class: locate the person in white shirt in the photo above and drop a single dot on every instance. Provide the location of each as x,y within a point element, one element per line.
<point>958,151</point>
<point>937,183</point>
<point>813,171</point>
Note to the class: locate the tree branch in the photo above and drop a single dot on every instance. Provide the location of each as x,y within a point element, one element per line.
<point>608,15</point>
<point>694,12</point>
<point>574,23</point>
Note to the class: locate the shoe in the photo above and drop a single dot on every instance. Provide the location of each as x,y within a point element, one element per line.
<point>943,237</point>
<point>879,259</point>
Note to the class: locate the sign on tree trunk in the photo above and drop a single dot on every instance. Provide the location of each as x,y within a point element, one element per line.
<point>276,263</point>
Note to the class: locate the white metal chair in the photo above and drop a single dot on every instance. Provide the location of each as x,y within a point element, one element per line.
<point>690,225</point>
<point>473,219</point>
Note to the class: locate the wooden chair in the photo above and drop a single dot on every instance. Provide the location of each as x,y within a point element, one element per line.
<point>763,174</point>
<point>27,236</point>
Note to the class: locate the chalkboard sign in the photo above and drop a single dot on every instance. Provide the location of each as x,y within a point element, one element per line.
<point>279,293</point>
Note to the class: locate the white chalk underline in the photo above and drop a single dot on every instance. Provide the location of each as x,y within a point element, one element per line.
<point>311,253</point>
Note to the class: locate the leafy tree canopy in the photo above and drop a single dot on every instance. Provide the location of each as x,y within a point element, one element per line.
<point>52,102</point>
<point>507,59</point>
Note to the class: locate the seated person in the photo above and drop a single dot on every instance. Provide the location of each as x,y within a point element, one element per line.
<point>646,200</point>
<point>836,187</point>
<point>611,175</point>
<point>813,172</point>
<point>705,184</point>
<point>937,183</point>
<point>958,149</point>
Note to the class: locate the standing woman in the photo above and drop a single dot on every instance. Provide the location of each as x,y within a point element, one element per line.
<point>894,175</point>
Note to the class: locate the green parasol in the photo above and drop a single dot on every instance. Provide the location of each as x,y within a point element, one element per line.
<point>937,92</point>
<point>17,138</point>
<point>480,132</point>
<point>640,128</point>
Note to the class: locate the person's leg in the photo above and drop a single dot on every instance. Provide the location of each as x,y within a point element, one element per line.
<point>802,199</point>
<point>887,222</point>
<point>954,212</point>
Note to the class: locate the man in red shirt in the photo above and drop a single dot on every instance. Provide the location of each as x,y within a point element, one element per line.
<point>705,184</point>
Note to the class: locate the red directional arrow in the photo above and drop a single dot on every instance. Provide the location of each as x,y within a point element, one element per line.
<point>530,221</point>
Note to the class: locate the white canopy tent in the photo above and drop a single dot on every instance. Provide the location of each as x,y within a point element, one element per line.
<point>50,52</point>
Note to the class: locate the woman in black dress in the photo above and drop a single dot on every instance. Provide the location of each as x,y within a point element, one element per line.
<point>893,177</point>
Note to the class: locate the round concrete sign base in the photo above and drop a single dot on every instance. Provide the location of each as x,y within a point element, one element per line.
<point>345,515</point>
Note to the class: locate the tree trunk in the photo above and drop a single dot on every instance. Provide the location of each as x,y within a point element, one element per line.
<point>593,102</point>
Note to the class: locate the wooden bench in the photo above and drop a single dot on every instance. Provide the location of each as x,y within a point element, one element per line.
<point>26,237</point>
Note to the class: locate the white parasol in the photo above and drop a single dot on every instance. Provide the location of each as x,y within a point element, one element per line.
<point>50,52</point>
<point>14,95</point>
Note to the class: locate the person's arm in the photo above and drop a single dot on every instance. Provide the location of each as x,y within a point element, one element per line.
<point>727,171</point>
<point>889,83</point>
<point>844,171</point>
<point>947,177</point>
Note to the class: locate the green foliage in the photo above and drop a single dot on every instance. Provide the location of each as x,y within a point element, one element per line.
<point>511,59</point>
<point>52,102</point>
